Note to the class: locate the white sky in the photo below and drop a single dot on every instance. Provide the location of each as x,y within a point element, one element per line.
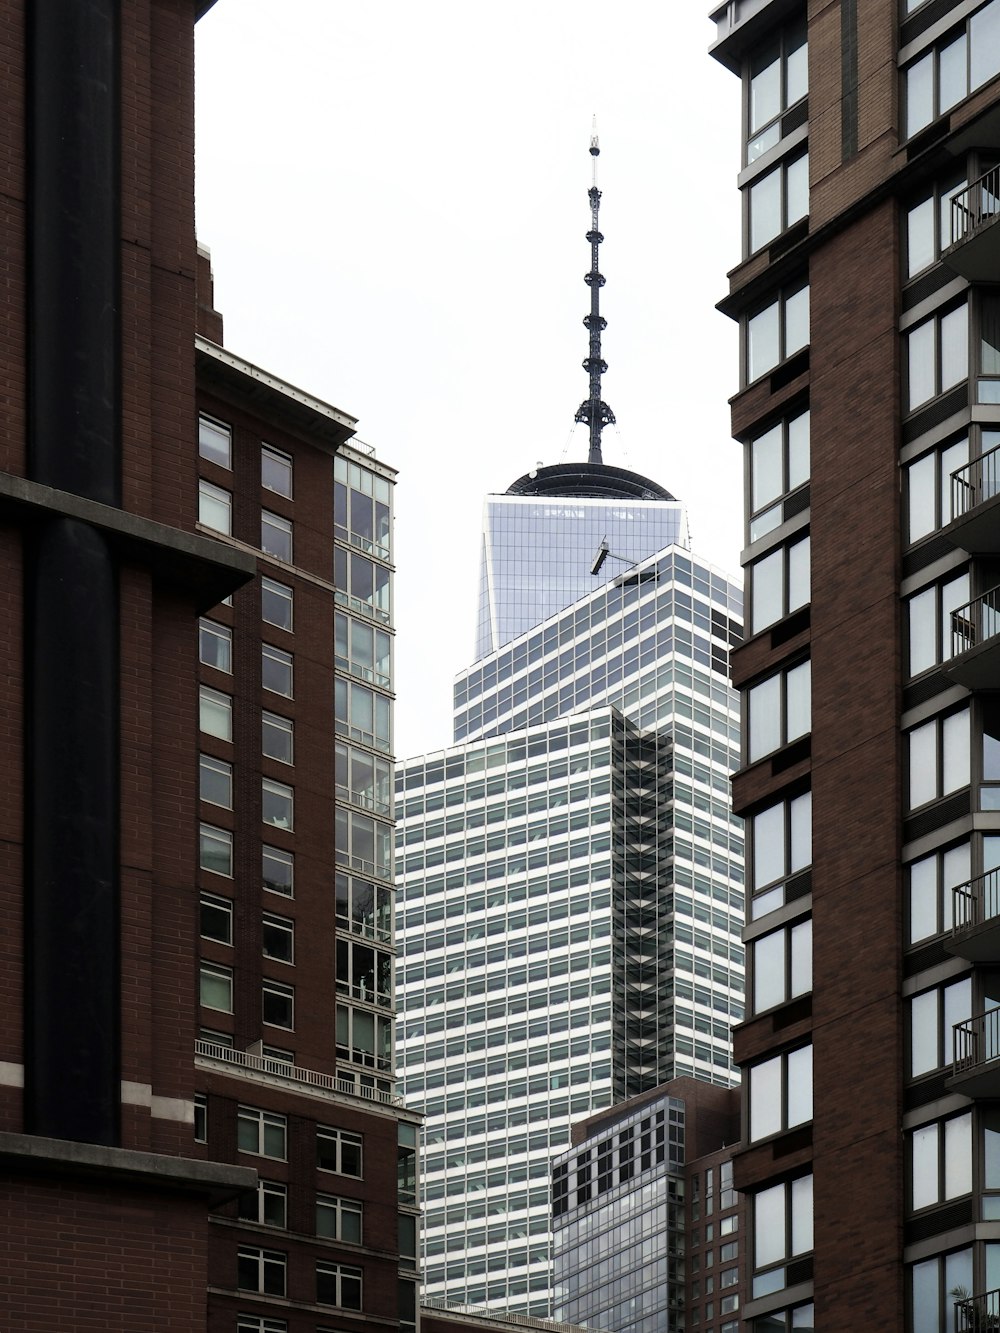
<point>395,197</point>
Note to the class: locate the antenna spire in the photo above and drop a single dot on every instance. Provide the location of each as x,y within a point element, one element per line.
<point>593,410</point>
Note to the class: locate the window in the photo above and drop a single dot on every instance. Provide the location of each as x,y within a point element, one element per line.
<point>930,882</point>
<point>933,1015</point>
<point>782,1229</point>
<point>928,225</point>
<point>361,508</point>
<point>782,965</point>
<point>338,1284</point>
<point>215,851</point>
<point>276,670</point>
<point>932,1284</point>
<point>781,838</point>
<point>262,1133</point>
<point>279,938</point>
<point>216,918</point>
<point>267,1204</point>
<point>277,804</point>
<point>364,1038</point>
<point>215,713</point>
<point>363,779</point>
<point>937,355</point>
<point>215,781</point>
<point>278,1004</point>
<point>777,200</point>
<point>407,1240</point>
<point>276,536</point>
<point>778,78</point>
<point>362,843</point>
<point>780,1093</point>
<point>361,584</point>
<point>200,1119</point>
<point>362,649</point>
<point>275,471</point>
<point>779,711</point>
<point>216,987</point>
<point>961,61</point>
<point>276,604</point>
<point>215,645</point>
<point>929,486</point>
<point>364,908</point>
<point>779,584</point>
<point>940,1160</point>
<point>251,1323</point>
<point>338,1219</point>
<point>778,463</point>
<point>777,332</point>
<point>406,1163</point>
<point>260,1270</point>
<point>215,442</point>
<point>938,757</point>
<point>339,1151</point>
<point>778,1321</point>
<point>364,973</point>
<point>930,623</point>
<point>279,871</point>
<point>361,714</point>
<point>215,507</point>
<point>276,737</point>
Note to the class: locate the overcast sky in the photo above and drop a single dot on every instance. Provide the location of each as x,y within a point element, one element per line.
<point>395,197</point>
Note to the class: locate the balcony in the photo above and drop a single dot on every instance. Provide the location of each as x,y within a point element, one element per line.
<point>975,643</point>
<point>976,1069</point>
<point>975,505</point>
<point>975,934</point>
<point>979,1313</point>
<point>975,245</point>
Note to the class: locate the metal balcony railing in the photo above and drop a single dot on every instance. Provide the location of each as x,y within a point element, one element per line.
<point>975,902</point>
<point>977,1041</point>
<point>977,1314</point>
<point>975,623</point>
<point>975,482</point>
<point>263,1064</point>
<point>976,207</point>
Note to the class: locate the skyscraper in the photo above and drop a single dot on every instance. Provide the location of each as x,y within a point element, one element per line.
<point>570,880</point>
<point>867,305</point>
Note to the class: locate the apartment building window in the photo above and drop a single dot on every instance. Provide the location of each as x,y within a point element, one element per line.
<point>930,488</point>
<point>364,973</point>
<point>361,508</point>
<point>276,536</point>
<point>777,79</point>
<point>276,737</point>
<point>263,1133</point>
<point>363,908</point>
<point>200,1119</point>
<point>278,1004</point>
<point>779,584</point>
<point>251,1323</point>
<point>275,471</point>
<point>939,760</point>
<point>216,987</point>
<point>959,62</point>
<point>930,881</point>
<point>216,918</point>
<point>407,1240</point>
<point>266,1205</point>
<point>782,965</point>
<point>277,804</point>
<point>778,1321</point>
<point>276,670</point>
<point>778,464</point>
<point>338,1219</point>
<point>364,1038</point>
<point>215,781</point>
<point>937,355</point>
<point>215,645</point>
<point>276,604</point>
<point>940,1161</point>
<point>362,649</point>
<point>782,1230</point>
<point>363,778</point>
<point>215,850</point>
<point>338,1284</point>
<point>929,621</point>
<point>339,1151</point>
<point>779,711</point>
<point>362,843</point>
<point>776,201</point>
<point>780,1093</point>
<point>261,1270</point>
<point>361,714</point>
<point>279,938</point>
<point>278,871</point>
<point>777,332</point>
<point>215,507</point>
<point>932,1284</point>
<point>406,1164</point>
<point>361,584</point>
<point>215,713</point>
<point>928,224</point>
<point>215,442</point>
<point>933,1015</point>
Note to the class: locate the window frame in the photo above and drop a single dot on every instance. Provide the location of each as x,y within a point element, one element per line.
<point>268,453</point>
<point>261,1121</point>
<point>210,495</point>
<point>221,770</point>
<point>935,322</point>
<point>219,704</point>
<point>761,1116</point>
<point>222,457</point>
<point>274,725</point>
<point>286,926</point>
<point>785,734</point>
<point>278,593</point>
<point>342,1139</point>
<point>271,545</point>
<point>269,1264</point>
<point>780,304</point>
<point>794,159</point>
<point>278,657</point>
<point>340,1274</point>
<point>937,725</point>
<point>782,554</point>
<point>793,432</point>
<point>224,838</point>
<point>219,975</point>
<point>279,791</point>
<point>942,1160</point>
<point>222,634</point>
<point>224,906</point>
<point>277,992</point>
<point>278,855</point>
<point>339,1208</point>
<point>795,940</point>
<point>267,1190</point>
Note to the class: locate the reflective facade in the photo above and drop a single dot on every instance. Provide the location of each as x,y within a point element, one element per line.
<point>570,900</point>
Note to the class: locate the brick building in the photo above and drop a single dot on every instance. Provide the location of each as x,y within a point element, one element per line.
<point>197,964</point>
<point>869,413</point>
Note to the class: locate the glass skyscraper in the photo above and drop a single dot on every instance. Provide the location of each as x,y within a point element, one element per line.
<point>570,887</point>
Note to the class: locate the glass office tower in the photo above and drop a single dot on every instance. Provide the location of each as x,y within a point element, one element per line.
<point>570,887</point>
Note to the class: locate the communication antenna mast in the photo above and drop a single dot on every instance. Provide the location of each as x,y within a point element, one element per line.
<point>594,410</point>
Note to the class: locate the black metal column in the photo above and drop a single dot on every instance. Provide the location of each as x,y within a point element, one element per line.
<point>72,989</point>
